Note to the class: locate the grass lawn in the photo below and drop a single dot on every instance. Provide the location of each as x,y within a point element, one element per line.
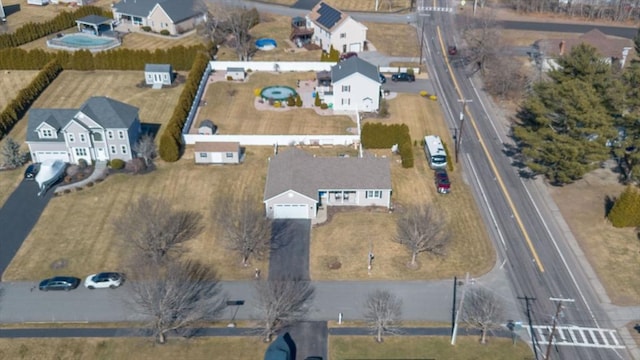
<point>88,240</point>
<point>394,39</point>
<point>422,347</point>
<point>233,348</point>
<point>33,13</point>
<point>352,233</point>
<point>614,253</point>
<point>12,81</point>
<point>237,114</point>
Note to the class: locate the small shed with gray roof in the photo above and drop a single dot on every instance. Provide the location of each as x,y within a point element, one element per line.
<point>158,74</point>
<point>236,73</point>
<point>298,183</point>
<point>218,152</point>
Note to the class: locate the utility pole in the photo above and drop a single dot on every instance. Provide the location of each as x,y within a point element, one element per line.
<point>462,112</point>
<point>534,340</point>
<point>453,307</point>
<point>560,301</point>
<point>457,318</point>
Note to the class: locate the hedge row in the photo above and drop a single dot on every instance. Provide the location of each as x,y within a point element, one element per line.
<point>180,57</point>
<point>21,103</point>
<point>381,136</point>
<point>171,138</point>
<point>33,31</point>
<point>626,210</point>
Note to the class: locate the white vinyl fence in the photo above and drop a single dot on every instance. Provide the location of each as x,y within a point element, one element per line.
<point>280,140</point>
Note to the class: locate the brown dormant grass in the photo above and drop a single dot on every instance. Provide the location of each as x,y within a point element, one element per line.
<point>33,13</point>
<point>614,253</point>
<point>78,226</point>
<point>357,5</point>
<point>12,81</point>
<point>233,348</point>
<point>394,39</point>
<point>348,237</point>
<point>237,114</point>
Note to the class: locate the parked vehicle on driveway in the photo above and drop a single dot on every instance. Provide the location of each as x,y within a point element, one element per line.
<point>443,185</point>
<point>383,79</point>
<point>348,55</point>
<point>403,77</point>
<point>65,283</point>
<point>31,172</point>
<point>103,280</point>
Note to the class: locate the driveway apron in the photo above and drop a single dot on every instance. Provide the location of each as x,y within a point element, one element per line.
<point>290,249</point>
<point>18,216</point>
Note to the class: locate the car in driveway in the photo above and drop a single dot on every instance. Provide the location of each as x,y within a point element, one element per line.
<point>103,280</point>
<point>348,55</point>
<point>31,172</point>
<point>443,185</point>
<point>403,77</point>
<point>65,283</point>
<point>383,79</point>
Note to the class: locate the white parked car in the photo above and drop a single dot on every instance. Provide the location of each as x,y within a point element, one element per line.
<point>103,280</point>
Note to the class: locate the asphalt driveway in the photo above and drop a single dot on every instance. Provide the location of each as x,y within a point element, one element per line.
<point>409,87</point>
<point>290,249</point>
<point>18,216</point>
<point>310,338</point>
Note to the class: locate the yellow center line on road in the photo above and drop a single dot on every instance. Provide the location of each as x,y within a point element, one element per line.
<point>486,151</point>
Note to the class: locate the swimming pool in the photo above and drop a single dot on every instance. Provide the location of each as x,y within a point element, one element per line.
<point>83,41</point>
<point>277,92</point>
<point>266,44</point>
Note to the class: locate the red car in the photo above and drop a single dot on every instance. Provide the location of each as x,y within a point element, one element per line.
<point>443,185</point>
<point>348,55</point>
<point>452,50</point>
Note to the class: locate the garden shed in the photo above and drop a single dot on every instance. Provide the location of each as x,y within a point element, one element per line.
<point>236,73</point>
<point>207,127</point>
<point>217,153</point>
<point>158,74</point>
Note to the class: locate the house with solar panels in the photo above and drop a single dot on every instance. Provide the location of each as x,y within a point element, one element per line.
<point>175,16</point>
<point>332,27</point>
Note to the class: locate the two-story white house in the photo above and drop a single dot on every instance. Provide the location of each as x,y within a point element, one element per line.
<point>355,86</point>
<point>102,129</point>
<point>331,27</point>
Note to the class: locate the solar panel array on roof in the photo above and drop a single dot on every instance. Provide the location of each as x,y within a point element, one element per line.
<point>328,16</point>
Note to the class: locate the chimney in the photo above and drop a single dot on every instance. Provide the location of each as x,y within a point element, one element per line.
<point>562,47</point>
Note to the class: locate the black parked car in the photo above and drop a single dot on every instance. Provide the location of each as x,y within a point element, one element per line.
<point>65,283</point>
<point>403,77</point>
<point>31,172</point>
<point>383,79</point>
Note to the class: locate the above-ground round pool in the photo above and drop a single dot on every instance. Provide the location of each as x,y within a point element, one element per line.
<point>83,41</point>
<point>277,92</point>
<point>266,44</point>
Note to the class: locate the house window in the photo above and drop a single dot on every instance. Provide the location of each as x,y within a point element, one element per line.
<point>120,134</point>
<point>346,101</point>
<point>373,194</point>
<point>112,148</point>
<point>81,152</point>
<point>71,138</point>
<point>203,155</point>
<point>82,138</point>
<point>229,155</point>
<point>97,136</point>
<point>123,148</point>
<point>343,35</point>
<point>110,134</point>
<point>47,133</point>
<point>346,88</point>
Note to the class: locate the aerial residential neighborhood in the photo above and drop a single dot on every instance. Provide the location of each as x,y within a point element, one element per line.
<point>319,179</point>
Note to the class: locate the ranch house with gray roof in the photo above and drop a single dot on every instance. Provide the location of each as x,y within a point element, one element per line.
<point>102,129</point>
<point>298,183</point>
<point>175,16</point>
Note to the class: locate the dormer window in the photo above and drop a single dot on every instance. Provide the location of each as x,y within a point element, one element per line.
<point>46,133</point>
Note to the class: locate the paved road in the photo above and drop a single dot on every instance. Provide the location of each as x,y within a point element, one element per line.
<point>510,203</point>
<point>289,255</point>
<point>18,216</point>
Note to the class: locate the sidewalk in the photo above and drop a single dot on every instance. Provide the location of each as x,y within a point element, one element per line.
<point>99,172</point>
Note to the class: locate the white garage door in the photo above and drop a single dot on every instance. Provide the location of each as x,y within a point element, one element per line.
<point>290,211</point>
<point>51,155</point>
<point>355,47</point>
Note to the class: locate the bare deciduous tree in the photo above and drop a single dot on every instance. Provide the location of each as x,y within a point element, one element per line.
<point>146,149</point>
<point>176,296</point>
<point>383,311</point>
<point>282,303</point>
<point>504,78</point>
<point>155,229</point>
<point>11,153</point>
<point>230,24</point>
<point>245,227</point>
<point>483,41</point>
<point>422,229</point>
<point>482,309</point>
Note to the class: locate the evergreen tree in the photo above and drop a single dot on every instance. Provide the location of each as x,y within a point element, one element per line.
<point>626,210</point>
<point>636,42</point>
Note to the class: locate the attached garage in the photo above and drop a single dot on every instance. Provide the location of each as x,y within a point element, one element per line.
<point>290,211</point>
<point>40,156</point>
<point>355,47</point>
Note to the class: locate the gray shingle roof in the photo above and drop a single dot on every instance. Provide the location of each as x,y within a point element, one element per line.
<point>354,65</point>
<point>177,10</point>
<point>109,113</point>
<point>302,172</point>
<point>57,118</point>
<point>157,68</point>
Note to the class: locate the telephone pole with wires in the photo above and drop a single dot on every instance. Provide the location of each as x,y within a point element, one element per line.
<point>560,301</point>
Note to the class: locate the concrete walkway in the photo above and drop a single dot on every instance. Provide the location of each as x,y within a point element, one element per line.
<point>100,172</point>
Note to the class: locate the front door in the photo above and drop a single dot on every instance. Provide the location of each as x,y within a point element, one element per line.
<point>101,154</point>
